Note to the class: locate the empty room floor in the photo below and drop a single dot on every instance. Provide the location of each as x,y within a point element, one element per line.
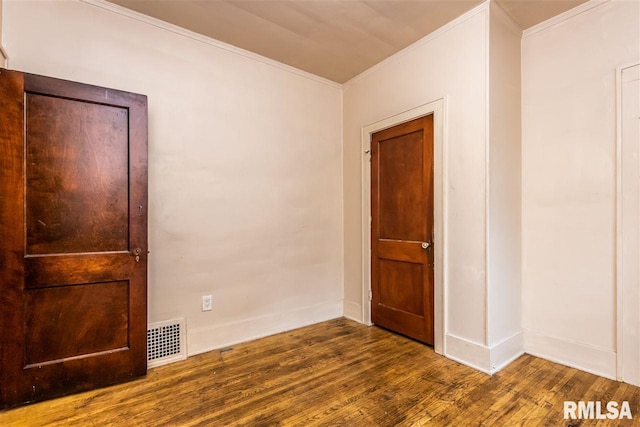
<point>335,373</point>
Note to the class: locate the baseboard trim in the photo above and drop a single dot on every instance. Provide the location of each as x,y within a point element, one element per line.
<point>595,360</point>
<point>468,353</point>
<point>584,357</point>
<point>353,311</point>
<point>506,351</point>
<point>227,334</point>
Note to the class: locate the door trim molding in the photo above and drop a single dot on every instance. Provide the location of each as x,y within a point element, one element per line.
<point>437,108</point>
<point>5,57</point>
<point>623,336</point>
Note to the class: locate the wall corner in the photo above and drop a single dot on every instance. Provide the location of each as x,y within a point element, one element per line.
<point>504,190</point>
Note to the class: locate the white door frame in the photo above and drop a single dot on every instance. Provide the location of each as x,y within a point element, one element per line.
<point>627,234</point>
<point>437,108</point>
<point>5,57</point>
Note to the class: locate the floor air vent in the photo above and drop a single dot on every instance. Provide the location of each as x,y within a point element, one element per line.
<point>166,342</point>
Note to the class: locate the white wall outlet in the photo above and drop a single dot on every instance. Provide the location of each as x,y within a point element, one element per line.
<point>206,303</point>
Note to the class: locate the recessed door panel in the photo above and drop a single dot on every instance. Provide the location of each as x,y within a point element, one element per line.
<point>75,321</point>
<point>401,188</point>
<point>401,286</point>
<point>77,159</point>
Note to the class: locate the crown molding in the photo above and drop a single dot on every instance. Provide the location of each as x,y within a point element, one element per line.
<point>140,17</point>
<point>559,19</point>
<point>423,41</point>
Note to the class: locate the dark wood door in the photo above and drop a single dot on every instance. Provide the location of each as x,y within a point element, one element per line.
<point>402,229</point>
<point>73,237</point>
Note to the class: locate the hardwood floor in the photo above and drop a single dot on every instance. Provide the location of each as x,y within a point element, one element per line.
<point>336,373</point>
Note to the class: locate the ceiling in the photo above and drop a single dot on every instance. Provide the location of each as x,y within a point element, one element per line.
<point>334,39</point>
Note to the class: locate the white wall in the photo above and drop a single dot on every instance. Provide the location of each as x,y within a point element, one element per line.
<point>504,309</point>
<point>569,183</point>
<point>244,167</point>
<point>452,64</point>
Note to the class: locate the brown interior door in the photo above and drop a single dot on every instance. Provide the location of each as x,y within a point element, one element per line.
<point>402,229</point>
<point>73,237</point>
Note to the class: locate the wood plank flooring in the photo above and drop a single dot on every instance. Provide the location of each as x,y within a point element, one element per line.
<point>336,373</point>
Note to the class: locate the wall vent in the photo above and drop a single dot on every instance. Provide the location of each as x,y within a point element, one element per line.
<point>166,342</point>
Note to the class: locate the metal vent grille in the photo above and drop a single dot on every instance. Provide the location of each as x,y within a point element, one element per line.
<point>166,342</point>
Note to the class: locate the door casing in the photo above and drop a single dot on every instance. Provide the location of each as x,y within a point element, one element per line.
<point>627,341</point>
<point>437,108</point>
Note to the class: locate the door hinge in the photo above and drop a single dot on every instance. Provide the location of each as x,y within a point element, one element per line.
<point>370,296</point>
<point>369,153</point>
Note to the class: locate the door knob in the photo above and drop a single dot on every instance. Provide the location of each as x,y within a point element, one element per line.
<point>425,245</point>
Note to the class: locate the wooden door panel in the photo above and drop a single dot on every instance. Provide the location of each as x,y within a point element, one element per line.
<point>402,196</point>
<point>402,221</point>
<point>77,157</point>
<point>401,286</point>
<point>62,270</point>
<point>411,326</point>
<point>73,228</point>
<point>72,375</point>
<point>75,321</point>
<point>401,251</point>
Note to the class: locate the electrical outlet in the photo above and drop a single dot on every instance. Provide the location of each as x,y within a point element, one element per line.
<point>206,303</point>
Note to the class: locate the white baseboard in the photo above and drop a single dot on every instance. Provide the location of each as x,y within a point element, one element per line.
<point>482,358</point>
<point>353,311</point>
<point>506,351</point>
<point>219,336</point>
<point>581,356</point>
<point>468,353</point>
<point>585,357</point>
